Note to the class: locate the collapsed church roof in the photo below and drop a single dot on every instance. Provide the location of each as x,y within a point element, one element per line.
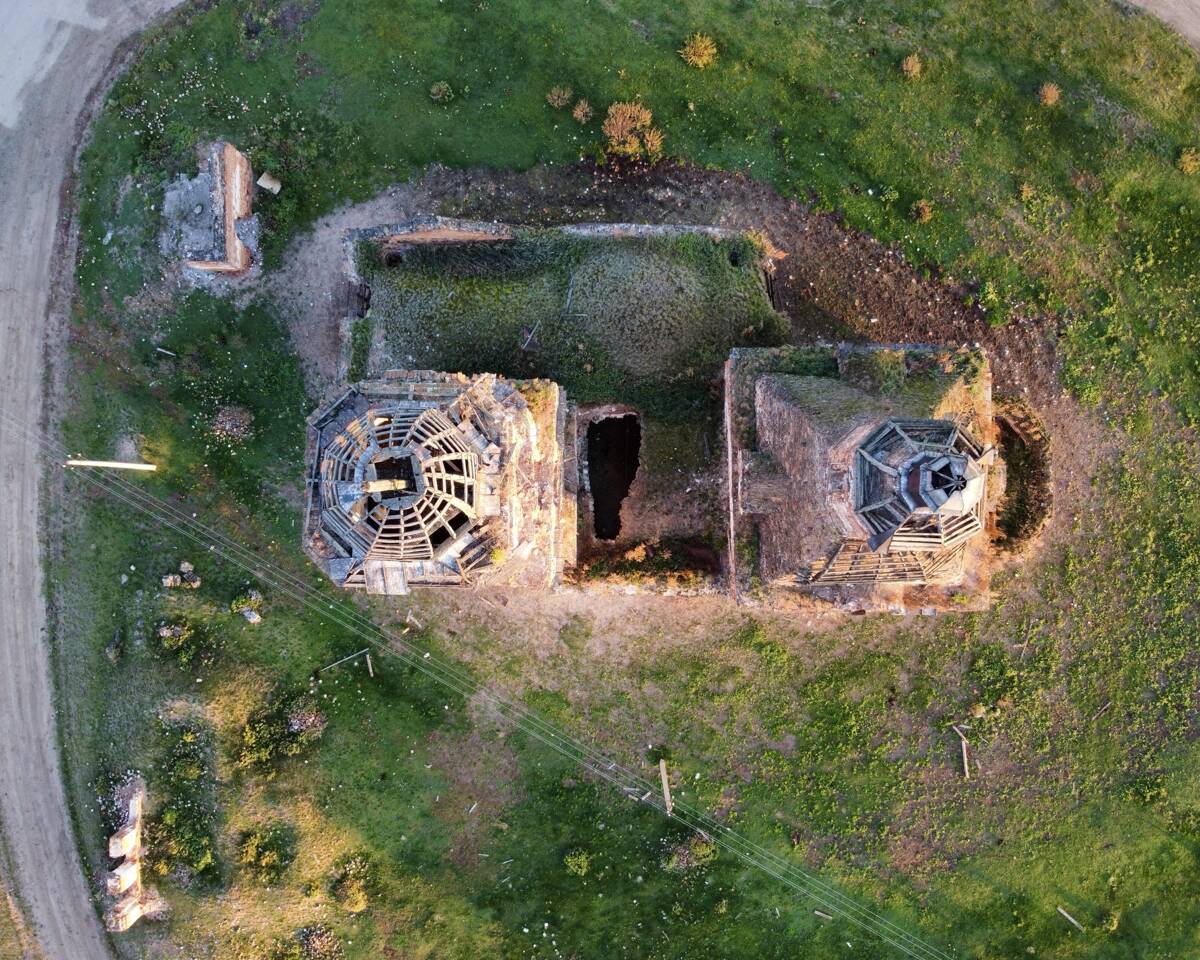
<point>873,471</point>
<point>425,477</point>
<point>919,484</point>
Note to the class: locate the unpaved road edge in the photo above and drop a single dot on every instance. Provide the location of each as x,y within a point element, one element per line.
<point>37,158</point>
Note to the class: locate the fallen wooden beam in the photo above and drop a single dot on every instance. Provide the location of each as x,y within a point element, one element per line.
<point>1070,919</point>
<point>111,465</point>
<point>962,739</point>
<point>666,786</point>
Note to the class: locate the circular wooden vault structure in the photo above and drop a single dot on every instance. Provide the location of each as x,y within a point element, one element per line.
<point>399,482</point>
<point>424,477</point>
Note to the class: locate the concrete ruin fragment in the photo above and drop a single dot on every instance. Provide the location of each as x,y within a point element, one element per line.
<point>423,477</point>
<point>209,220</point>
<point>883,474</point>
<point>124,883</point>
<point>247,605</point>
<point>186,577</point>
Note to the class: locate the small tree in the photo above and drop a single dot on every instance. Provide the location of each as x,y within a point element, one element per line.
<point>281,728</point>
<point>692,854</point>
<point>699,51</point>
<point>317,942</point>
<point>441,92</point>
<point>353,882</point>
<point>582,111</point>
<point>192,644</point>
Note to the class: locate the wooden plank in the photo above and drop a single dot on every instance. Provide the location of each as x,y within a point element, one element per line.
<point>666,786</point>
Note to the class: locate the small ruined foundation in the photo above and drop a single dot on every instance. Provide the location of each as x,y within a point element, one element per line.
<point>210,221</point>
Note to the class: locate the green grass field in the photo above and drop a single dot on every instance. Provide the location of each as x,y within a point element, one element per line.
<point>840,737</point>
<point>643,321</point>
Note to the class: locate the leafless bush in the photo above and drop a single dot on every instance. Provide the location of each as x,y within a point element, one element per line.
<point>558,96</point>
<point>630,131</point>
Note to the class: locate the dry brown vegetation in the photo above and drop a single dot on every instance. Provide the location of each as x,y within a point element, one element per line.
<point>630,131</point>
<point>922,211</point>
<point>559,96</point>
<point>911,66</point>
<point>1049,94</point>
<point>582,111</point>
<point>1189,160</point>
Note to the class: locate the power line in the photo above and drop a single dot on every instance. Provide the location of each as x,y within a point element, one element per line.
<point>454,678</point>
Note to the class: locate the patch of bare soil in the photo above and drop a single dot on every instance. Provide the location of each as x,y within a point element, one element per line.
<point>482,773</point>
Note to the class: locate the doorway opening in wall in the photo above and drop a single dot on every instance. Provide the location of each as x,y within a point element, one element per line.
<point>613,448</point>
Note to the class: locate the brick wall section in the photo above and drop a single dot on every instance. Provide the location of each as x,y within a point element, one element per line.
<point>235,184</point>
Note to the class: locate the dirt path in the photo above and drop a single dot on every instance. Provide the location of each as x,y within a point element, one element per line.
<point>1182,15</point>
<point>53,53</point>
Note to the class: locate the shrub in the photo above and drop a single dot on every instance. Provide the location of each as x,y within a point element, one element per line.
<point>250,600</point>
<point>699,51</point>
<point>353,883</point>
<point>283,727</point>
<point>629,130</point>
<point>558,96</point>
<point>1189,161</point>
<point>582,111</point>
<point>911,66</point>
<point>1049,94</point>
<point>192,644</point>
<point>181,833</point>
<point>266,852</point>
<point>690,855</point>
<point>441,92</point>
<point>922,211</point>
<point>578,862</point>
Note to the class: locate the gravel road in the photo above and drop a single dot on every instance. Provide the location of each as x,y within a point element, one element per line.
<point>53,53</point>
<point>1183,15</point>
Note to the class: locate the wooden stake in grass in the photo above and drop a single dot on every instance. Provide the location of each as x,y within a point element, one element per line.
<point>666,785</point>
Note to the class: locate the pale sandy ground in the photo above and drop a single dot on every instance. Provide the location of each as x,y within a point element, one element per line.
<point>52,55</point>
<point>1183,15</point>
